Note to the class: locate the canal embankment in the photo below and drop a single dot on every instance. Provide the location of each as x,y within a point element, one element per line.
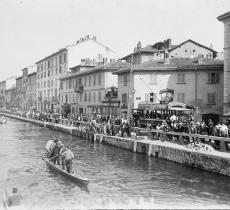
<point>213,161</point>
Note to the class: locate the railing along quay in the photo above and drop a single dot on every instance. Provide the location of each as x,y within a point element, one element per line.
<point>219,143</point>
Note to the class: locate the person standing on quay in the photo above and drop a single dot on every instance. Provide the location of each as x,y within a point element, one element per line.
<point>68,154</point>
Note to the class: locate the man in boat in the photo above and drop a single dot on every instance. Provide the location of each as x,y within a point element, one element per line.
<point>14,199</point>
<point>56,152</point>
<point>68,154</point>
<point>62,151</point>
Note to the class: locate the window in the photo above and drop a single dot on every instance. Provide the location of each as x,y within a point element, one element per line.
<point>45,84</point>
<point>41,67</point>
<point>61,85</point>
<point>124,100</point>
<point>38,68</point>
<point>89,97</point>
<point>89,80</point>
<point>80,97</point>
<point>150,97</point>
<point>60,59</point>
<point>70,83</point>
<point>99,79</point>
<point>211,98</point>
<point>38,76</point>
<point>213,78</point>
<point>64,58</point>
<point>94,80</point>
<point>38,85</point>
<point>48,64</point>
<point>51,83</point>
<point>94,96</point>
<point>48,83</point>
<point>41,75</point>
<point>181,78</point>
<point>60,70</point>
<point>44,74</point>
<point>66,98</point>
<point>48,73</point>
<point>125,80</point>
<point>85,81</point>
<point>55,92</point>
<point>99,96</point>
<point>181,97</point>
<point>85,97</point>
<point>153,79</point>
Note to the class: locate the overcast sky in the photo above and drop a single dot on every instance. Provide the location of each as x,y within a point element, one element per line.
<point>33,29</point>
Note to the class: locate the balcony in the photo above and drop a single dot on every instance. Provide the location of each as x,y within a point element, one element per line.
<point>79,89</point>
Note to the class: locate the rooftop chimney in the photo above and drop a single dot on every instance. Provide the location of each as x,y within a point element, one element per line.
<point>169,43</point>
<point>166,57</point>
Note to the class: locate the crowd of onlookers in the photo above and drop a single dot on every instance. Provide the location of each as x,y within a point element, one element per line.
<point>115,125</point>
<point>177,124</point>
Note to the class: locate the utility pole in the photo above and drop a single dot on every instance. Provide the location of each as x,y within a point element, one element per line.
<point>130,87</point>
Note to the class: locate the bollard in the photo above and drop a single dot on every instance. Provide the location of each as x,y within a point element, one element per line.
<point>150,150</point>
<point>101,138</point>
<point>135,146</point>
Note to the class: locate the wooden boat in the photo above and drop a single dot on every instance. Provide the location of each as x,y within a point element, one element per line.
<point>75,175</point>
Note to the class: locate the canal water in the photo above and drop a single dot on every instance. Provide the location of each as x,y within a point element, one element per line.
<point>117,177</point>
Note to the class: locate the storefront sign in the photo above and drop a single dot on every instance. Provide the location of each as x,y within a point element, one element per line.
<point>138,98</point>
<point>153,106</point>
<point>176,104</point>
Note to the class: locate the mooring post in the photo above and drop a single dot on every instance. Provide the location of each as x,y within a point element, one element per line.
<point>150,150</point>
<point>135,146</point>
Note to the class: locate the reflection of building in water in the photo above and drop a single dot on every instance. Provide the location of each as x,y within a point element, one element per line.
<point>195,82</point>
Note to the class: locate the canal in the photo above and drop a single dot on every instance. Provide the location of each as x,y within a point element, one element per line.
<point>117,176</point>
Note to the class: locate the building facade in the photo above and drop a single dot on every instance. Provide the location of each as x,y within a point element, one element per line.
<point>158,51</point>
<point>57,65</point>
<point>10,98</point>
<point>31,90</point>
<point>225,18</point>
<point>19,93</point>
<point>87,89</point>
<point>2,93</point>
<point>194,82</point>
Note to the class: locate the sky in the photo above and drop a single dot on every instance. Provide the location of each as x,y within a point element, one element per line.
<point>33,29</point>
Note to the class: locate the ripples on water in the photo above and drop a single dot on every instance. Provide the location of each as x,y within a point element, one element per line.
<point>116,175</point>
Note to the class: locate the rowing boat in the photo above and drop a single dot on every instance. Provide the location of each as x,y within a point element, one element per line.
<point>75,175</point>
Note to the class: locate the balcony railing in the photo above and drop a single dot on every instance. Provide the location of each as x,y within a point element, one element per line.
<point>79,89</point>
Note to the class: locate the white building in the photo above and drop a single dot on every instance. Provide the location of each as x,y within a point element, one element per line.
<point>51,68</point>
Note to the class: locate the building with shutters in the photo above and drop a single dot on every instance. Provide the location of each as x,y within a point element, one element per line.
<point>51,68</point>
<point>91,89</point>
<point>195,82</point>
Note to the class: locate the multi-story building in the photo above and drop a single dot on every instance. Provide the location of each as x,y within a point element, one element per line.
<point>157,51</point>
<point>19,93</point>
<point>31,88</point>
<point>2,93</point>
<point>225,18</point>
<point>195,82</point>
<point>51,68</point>
<point>91,89</point>
<point>10,97</point>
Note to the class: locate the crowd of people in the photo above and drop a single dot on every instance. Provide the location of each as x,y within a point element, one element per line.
<point>115,125</point>
<point>177,124</point>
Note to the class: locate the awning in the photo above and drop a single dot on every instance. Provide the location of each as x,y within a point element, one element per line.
<point>179,109</point>
<point>33,107</point>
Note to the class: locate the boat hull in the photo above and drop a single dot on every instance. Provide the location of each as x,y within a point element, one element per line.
<point>75,176</point>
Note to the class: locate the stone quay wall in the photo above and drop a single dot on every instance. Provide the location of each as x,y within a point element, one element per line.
<point>215,161</point>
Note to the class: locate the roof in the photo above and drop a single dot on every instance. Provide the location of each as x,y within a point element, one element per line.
<point>189,40</point>
<point>175,64</point>
<point>33,73</point>
<point>57,52</point>
<point>224,16</point>
<point>105,67</point>
<point>146,49</point>
<point>18,77</point>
